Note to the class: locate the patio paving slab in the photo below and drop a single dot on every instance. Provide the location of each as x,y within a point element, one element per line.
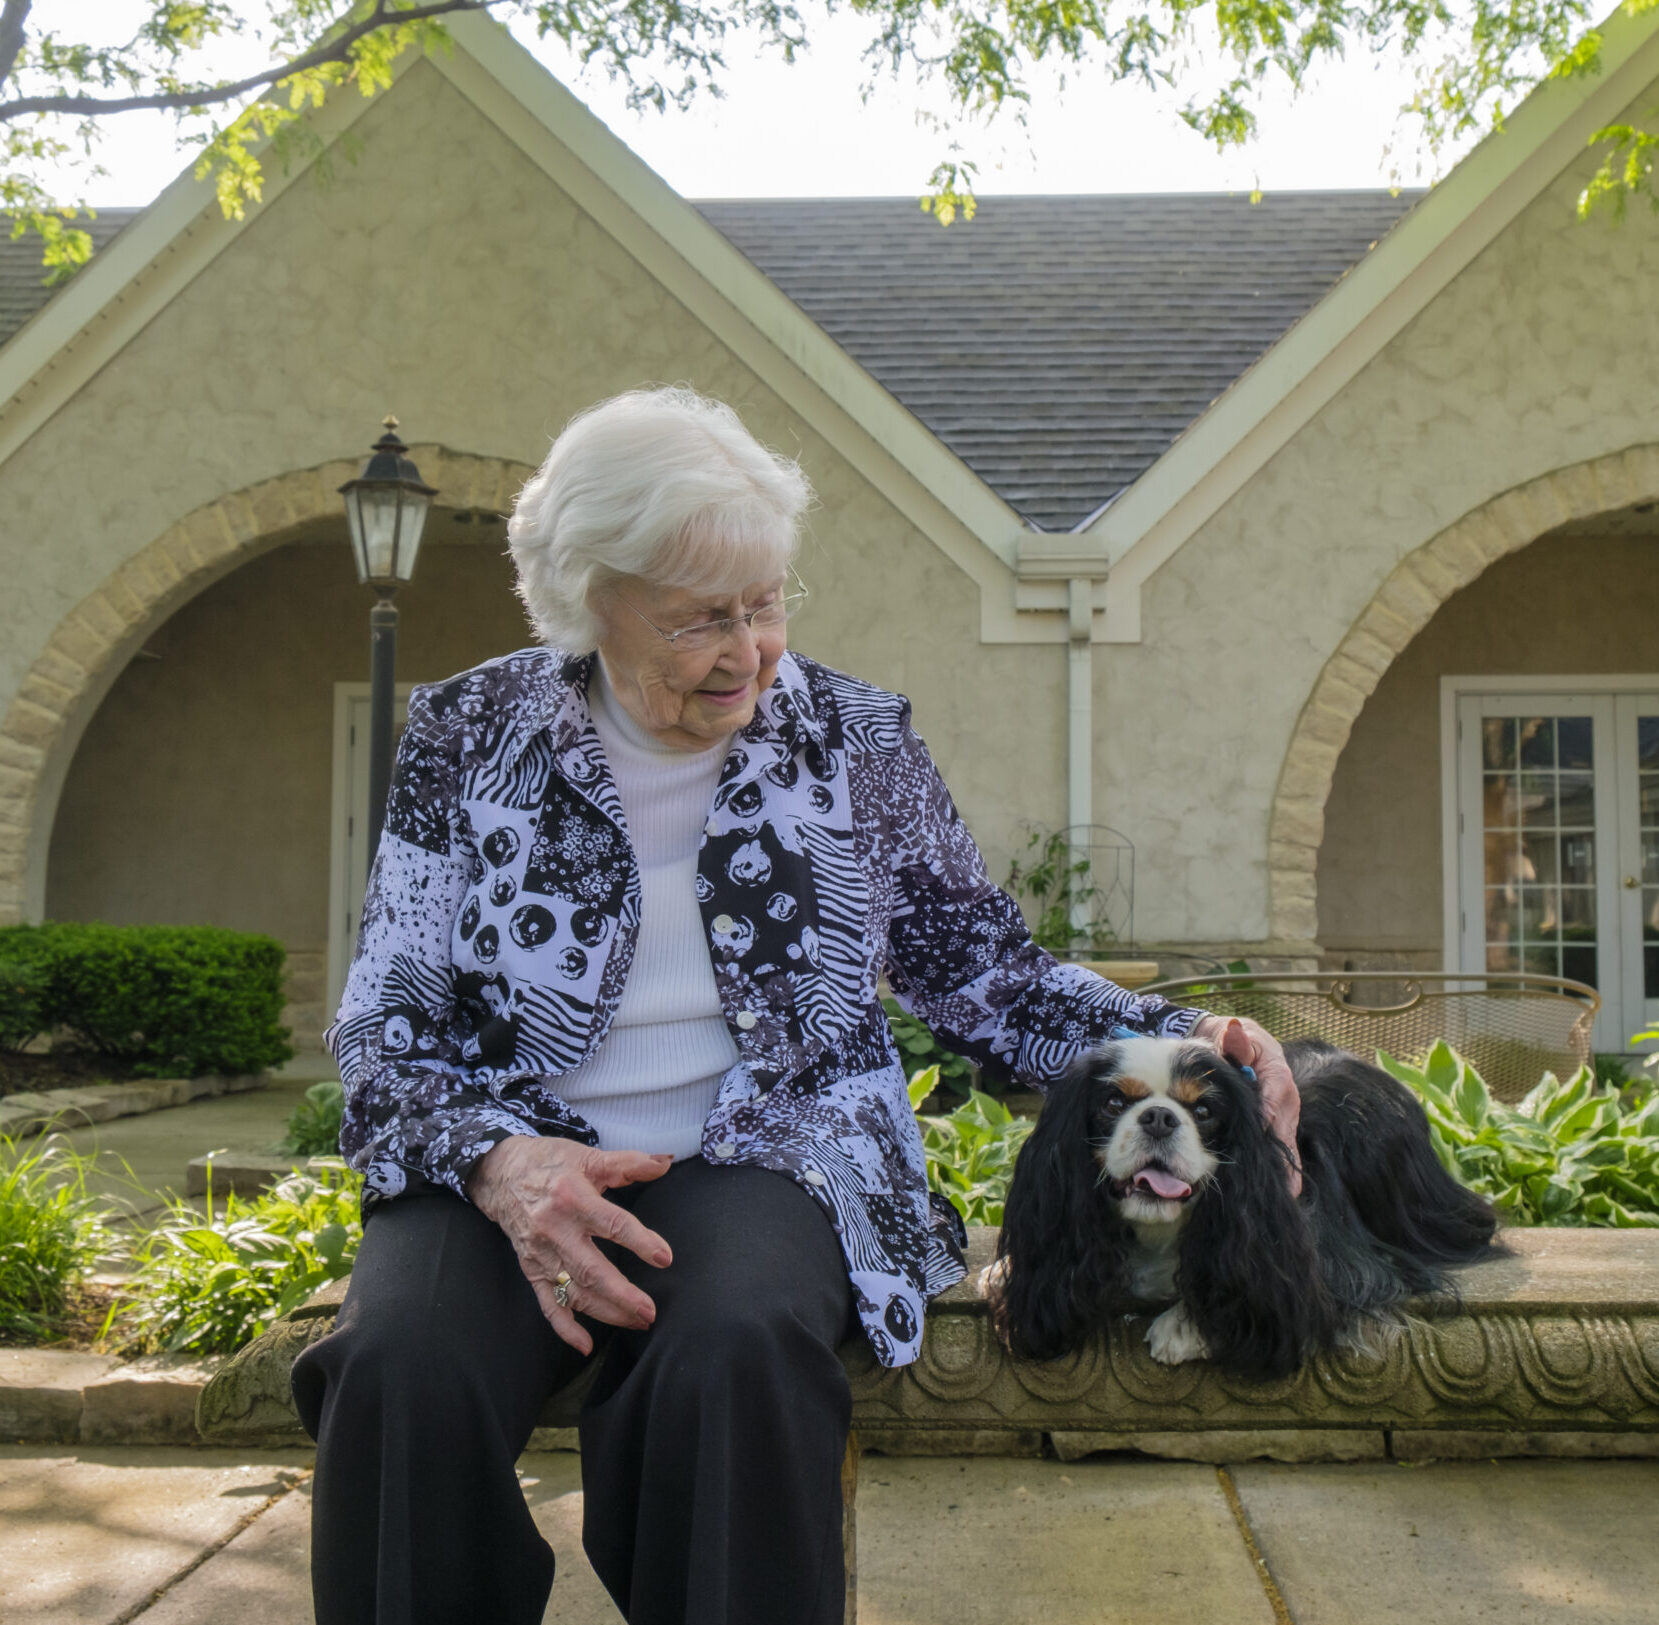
<point>91,1534</point>
<point>1461,1543</point>
<point>993,1542</point>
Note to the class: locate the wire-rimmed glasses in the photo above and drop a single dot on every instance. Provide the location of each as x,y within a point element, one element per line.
<point>707,635</point>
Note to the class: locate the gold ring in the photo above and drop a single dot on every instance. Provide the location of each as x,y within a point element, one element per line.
<point>561,1289</point>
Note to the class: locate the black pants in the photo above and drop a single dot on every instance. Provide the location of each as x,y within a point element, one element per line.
<point>711,1444</point>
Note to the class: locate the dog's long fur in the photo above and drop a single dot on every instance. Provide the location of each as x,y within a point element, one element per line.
<point>1264,1279</point>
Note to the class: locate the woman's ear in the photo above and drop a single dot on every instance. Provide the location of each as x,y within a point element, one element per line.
<point>1062,1244</point>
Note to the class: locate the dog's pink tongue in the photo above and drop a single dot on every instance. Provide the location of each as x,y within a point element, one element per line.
<point>1162,1184</point>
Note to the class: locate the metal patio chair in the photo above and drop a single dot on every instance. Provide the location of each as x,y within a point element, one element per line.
<point>1511,1028</point>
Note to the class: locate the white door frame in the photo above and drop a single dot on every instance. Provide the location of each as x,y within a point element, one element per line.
<point>343,909</point>
<point>1595,692</point>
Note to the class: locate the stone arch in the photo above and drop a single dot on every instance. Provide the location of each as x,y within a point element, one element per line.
<point>92,643</point>
<point>1401,607</point>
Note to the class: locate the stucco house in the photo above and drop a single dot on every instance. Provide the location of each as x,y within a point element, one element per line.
<point>1313,545</point>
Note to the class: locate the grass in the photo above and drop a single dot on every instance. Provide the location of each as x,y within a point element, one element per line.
<point>52,1231</point>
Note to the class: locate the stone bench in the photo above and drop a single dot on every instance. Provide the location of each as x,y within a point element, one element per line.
<point>1551,1350</point>
<point>1560,1339</point>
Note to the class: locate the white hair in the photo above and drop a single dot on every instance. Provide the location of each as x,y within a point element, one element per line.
<point>663,484</point>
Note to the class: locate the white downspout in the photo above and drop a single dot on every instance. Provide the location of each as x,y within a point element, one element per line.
<point>1080,725</point>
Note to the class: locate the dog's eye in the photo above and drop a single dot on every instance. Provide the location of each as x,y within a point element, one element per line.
<point>1113,1105</point>
<point>1203,1111</point>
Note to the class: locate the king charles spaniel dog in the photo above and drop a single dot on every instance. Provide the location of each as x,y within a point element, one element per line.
<point>1152,1182</point>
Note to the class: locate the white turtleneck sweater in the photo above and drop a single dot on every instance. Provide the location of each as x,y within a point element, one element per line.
<point>652,1081</point>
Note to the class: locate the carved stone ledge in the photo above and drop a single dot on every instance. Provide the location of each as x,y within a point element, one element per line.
<point>1562,1335</point>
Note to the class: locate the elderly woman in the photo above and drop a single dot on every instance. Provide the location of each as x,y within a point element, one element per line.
<point>617,1074</point>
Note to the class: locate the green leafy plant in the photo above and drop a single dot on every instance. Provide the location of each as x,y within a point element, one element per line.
<point>919,1048</point>
<point>24,989</point>
<point>51,1232</point>
<point>314,1124</point>
<point>1569,1153</point>
<point>970,1153</point>
<point>165,1001</point>
<point>212,1286</point>
<point>1058,884</point>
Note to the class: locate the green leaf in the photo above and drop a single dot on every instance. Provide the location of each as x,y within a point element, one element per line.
<point>922,1084</point>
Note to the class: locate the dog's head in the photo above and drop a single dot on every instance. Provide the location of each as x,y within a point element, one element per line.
<point>1142,1134</point>
<point>1159,1116</point>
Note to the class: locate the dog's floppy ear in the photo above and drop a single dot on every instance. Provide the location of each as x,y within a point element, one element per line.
<point>1064,1247</point>
<point>1249,1272</point>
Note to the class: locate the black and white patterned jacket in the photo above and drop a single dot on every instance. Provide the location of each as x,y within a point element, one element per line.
<point>504,906</point>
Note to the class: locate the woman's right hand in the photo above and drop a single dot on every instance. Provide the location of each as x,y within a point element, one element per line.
<point>547,1194</point>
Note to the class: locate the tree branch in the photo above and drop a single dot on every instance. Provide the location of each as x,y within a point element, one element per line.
<point>333,50</point>
<point>12,20</point>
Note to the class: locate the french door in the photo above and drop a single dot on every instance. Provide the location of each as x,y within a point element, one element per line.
<point>1557,839</point>
<point>349,841</point>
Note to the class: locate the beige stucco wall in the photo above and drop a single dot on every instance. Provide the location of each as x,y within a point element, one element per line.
<point>508,308</point>
<point>1581,606</point>
<point>443,275</point>
<point>1540,355</point>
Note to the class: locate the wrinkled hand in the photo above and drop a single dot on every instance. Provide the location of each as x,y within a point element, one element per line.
<point>1247,1043</point>
<point>548,1196</point>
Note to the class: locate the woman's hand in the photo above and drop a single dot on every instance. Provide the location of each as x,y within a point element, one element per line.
<point>548,1195</point>
<point>1247,1043</point>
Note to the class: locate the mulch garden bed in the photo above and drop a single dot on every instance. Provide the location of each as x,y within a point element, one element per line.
<point>22,1070</point>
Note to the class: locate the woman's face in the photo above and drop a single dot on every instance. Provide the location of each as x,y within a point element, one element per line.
<point>691,699</point>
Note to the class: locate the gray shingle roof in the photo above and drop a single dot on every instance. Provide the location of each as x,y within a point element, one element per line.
<point>1058,345</point>
<point>22,292</point>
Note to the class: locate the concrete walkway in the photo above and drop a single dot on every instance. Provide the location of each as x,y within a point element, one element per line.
<point>142,1160</point>
<point>197,1537</point>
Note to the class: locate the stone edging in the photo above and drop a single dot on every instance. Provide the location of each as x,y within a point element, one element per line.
<point>1552,1350</point>
<point>30,1111</point>
<point>48,1397</point>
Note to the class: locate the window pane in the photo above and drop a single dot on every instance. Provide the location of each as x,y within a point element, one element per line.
<point>1580,965</point>
<point>1540,853</point>
<point>1650,798</point>
<point>1503,916</point>
<point>1540,915</point>
<point>1537,741</point>
<point>1578,913</point>
<point>1647,742</point>
<point>1538,800</point>
<point>1501,959</point>
<point>1578,801</point>
<point>1505,865</point>
<point>1578,860</point>
<point>1497,742</point>
<point>1574,735</point>
<point>1541,961</point>
<point>1501,803</point>
<point>1650,859</point>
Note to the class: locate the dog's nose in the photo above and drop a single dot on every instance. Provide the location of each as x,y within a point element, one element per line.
<point>1158,1122</point>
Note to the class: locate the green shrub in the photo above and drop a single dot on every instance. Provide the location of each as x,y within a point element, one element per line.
<point>919,1048</point>
<point>314,1124</point>
<point>1570,1153</point>
<point>24,994</point>
<point>970,1153</point>
<point>213,1286</point>
<point>166,1001</point>
<point>1057,883</point>
<point>51,1232</point>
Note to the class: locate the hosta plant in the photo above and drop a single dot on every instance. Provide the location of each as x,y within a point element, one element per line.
<point>213,1285</point>
<point>971,1152</point>
<point>1569,1153</point>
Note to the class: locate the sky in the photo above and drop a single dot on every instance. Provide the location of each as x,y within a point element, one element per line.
<point>804,131</point>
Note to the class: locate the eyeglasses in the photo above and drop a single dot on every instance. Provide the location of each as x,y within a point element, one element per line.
<point>708,634</point>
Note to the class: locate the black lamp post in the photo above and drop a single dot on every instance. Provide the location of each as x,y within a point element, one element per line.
<point>386,506</point>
